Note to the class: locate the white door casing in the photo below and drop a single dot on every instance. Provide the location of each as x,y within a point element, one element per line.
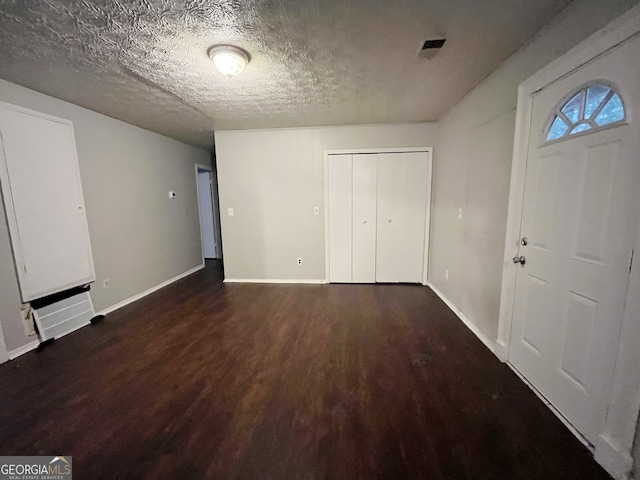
<point>579,214</point>
<point>206,215</point>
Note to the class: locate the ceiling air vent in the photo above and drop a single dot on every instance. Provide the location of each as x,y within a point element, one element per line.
<point>431,47</point>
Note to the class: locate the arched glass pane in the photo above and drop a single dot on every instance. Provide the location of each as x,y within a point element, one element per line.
<point>589,109</point>
<point>580,128</point>
<point>572,108</point>
<point>613,111</point>
<point>595,96</point>
<point>557,130</point>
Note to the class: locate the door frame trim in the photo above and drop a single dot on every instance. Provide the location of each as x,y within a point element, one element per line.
<point>360,151</point>
<point>615,442</point>
<point>209,169</point>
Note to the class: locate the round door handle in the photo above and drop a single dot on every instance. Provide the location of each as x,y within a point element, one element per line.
<point>524,241</point>
<point>520,259</point>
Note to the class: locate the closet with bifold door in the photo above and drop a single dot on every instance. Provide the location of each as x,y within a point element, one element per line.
<point>378,210</point>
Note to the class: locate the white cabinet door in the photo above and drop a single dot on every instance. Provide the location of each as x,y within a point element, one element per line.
<point>340,223</point>
<point>401,213</point>
<point>364,218</point>
<point>45,207</point>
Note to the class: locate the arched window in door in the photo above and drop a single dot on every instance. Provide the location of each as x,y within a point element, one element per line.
<point>591,108</point>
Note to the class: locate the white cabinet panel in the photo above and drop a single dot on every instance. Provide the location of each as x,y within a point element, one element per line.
<point>340,221</point>
<point>364,218</point>
<point>45,208</point>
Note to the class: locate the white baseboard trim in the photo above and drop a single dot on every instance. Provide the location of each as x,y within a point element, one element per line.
<point>149,291</point>
<point>502,351</point>
<point>613,458</point>
<point>13,354</point>
<point>273,280</point>
<point>490,344</point>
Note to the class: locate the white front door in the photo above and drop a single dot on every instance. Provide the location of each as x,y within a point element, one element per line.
<point>578,219</point>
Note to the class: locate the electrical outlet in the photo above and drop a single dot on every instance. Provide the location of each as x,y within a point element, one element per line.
<point>446,274</point>
<point>299,261</point>
<point>106,283</point>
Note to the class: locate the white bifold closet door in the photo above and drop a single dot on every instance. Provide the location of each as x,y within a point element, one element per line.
<point>340,175</point>
<point>364,219</point>
<point>377,217</point>
<point>42,193</point>
<point>401,216</point>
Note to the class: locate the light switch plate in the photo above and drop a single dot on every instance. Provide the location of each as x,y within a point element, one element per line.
<point>316,210</point>
<point>230,212</point>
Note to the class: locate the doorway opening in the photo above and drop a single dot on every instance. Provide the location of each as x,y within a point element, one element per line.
<point>209,212</point>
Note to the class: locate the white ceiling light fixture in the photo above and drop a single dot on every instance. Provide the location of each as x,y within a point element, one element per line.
<point>229,59</point>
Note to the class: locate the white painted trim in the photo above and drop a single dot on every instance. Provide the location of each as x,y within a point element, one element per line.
<point>490,344</point>
<point>361,151</point>
<point>210,170</point>
<point>613,448</point>
<point>149,291</point>
<point>427,224</point>
<point>4,355</point>
<point>613,458</point>
<point>276,280</point>
<point>16,352</point>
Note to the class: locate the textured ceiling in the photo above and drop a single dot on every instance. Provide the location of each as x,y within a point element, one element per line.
<point>314,62</point>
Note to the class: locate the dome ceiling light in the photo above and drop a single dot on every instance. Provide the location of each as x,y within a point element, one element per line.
<point>229,59</point>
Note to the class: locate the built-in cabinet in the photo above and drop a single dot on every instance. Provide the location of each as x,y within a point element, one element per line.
<point>378,206</point>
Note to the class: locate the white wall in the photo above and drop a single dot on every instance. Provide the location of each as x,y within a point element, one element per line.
<point>472,167</point>
<point>273,179</point>
<point>140,238</point>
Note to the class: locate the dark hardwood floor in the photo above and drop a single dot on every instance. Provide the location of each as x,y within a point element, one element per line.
<point>207,380</point>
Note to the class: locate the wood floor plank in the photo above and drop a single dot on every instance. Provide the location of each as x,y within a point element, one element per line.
<point>252,381</point>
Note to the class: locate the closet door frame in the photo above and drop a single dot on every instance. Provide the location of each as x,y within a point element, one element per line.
<point>10,211</point>
<point>428,151</point>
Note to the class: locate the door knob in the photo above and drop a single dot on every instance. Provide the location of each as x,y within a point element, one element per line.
<point>524,241</point>
<point>520,259</point>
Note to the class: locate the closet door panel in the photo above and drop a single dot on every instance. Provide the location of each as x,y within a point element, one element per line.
<point>364,218</point>
<point>388,241</point>
<point>411,213</point>
<point>44,202</point>
<point>340,221</point>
